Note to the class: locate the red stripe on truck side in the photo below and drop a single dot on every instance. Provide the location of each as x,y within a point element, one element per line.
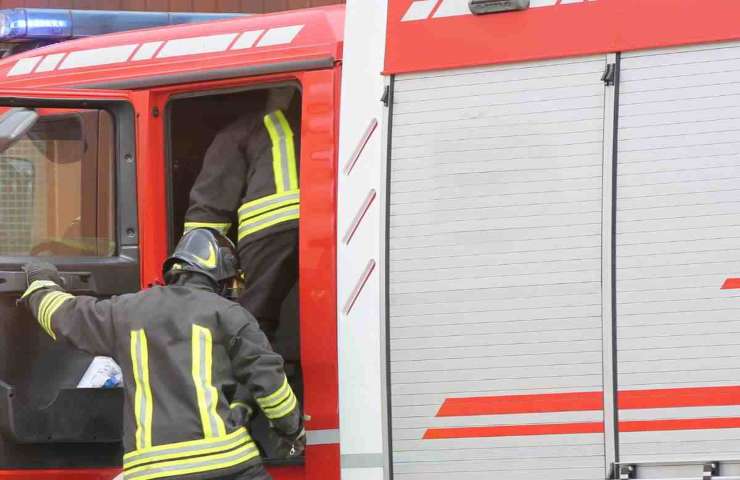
<point>579,428</point>
<point>679,424</point>
<point>507,404</point>
<point>731,284</point>
<point>589,401</point>
<point>514,430</point>
<point>679,397</point>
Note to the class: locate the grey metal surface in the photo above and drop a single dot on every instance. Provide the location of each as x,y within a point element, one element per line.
<point>495,263</point>
<point>677,229</point>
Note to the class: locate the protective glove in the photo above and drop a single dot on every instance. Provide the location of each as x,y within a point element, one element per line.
<point>38,270</point>
<point>289,446</point>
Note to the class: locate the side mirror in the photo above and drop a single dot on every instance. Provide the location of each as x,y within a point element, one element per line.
<point>483,7</point>
<point>14,124</point>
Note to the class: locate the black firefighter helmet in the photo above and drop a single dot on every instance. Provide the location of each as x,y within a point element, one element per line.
<point>204,251</point>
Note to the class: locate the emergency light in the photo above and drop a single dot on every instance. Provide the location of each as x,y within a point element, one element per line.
<point>481,7</point>
<point>27,24</point>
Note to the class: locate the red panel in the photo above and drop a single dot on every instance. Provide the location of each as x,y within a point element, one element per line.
<point>514,430</point>
<point>322,462</point>
<point>287,473</point>
<point>318,291</point>
<point>66,474</point>
<point>564,30</point>
<point>508,404</point>
<point>731,284</point>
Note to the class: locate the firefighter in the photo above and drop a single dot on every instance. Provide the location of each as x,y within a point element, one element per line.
<point>250,172</point>
<point>180,346</point>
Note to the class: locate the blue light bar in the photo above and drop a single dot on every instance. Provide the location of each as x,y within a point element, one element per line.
<point>26,24</point>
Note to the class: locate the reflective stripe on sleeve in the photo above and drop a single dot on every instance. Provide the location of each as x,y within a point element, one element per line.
<point>143,404</point>
<point>48,306</point>
<point>279,403</point>
<point>213,424</point>
<point>223,228</point>
<point>283,151</point>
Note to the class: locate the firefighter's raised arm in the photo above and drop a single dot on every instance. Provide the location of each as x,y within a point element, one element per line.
<point>218,189</point>
<point>85,322</point>
<point>258,367</point>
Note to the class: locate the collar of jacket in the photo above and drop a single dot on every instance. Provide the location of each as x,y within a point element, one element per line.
<point>195,280</point>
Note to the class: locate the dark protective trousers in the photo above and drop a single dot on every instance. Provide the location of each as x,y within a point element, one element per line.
<point>271,269</point>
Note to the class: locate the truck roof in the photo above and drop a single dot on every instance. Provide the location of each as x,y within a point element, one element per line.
<point>293,40</point>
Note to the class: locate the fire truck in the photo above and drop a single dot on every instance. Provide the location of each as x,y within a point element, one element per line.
<point>518,249</point>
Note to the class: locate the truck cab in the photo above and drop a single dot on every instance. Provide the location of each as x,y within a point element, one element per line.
<point>99,186</point>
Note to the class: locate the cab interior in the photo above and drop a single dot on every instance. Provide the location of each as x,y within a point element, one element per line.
<point>193,121</point>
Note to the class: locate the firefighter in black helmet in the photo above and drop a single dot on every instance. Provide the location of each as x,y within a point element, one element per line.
<point>250,174</point>
<point>180,346</point>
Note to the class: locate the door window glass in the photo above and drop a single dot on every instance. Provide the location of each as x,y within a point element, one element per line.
<point>56,187</point>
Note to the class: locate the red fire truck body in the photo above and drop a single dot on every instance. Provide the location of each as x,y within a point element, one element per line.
<point>517,234</point>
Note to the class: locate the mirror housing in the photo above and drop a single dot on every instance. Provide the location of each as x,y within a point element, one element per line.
<point>14,124</point>
<point>484,7</point>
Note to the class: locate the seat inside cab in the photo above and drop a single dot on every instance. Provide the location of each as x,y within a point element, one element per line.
<point>193,123</point>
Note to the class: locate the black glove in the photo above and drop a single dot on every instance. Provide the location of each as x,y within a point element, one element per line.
<point>289,446</point>
<point>38,270</point>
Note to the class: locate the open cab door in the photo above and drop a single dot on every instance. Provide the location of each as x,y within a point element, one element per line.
<point>68,195</point>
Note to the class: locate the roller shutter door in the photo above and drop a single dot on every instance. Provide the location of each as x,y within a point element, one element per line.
<point>495,269</point>
<point>678,240</point>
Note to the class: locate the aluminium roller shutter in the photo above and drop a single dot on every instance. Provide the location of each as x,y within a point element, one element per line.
<point>495,269</point>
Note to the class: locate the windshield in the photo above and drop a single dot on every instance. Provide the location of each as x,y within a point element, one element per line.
<point>56,187</point>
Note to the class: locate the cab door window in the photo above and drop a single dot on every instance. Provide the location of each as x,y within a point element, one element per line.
<point>56,188</point>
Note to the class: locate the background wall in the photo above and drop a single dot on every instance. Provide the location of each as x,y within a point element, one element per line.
<point>250,6</point>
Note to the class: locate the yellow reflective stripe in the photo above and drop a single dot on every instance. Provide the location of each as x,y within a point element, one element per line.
<point>277,396</point>
<point>278,148</point>
<point>143,404</point>
<point>268,203</point>
<point>53,307</point>
<point>48,306</point>
<point>290,147</point>
<point>258,202</point>
<point>191,465</point>
<point>38,285</point>
<point>285,214</point>
<point>221,227</point>
<point>163,449</point>
<point>283,409</point>
<point>213,424</point>
<point>191,448</point>
<point>233,405</point>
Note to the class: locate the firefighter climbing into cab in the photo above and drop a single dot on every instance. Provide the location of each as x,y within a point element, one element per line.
<point>250,174</point>
<point>180,347</point>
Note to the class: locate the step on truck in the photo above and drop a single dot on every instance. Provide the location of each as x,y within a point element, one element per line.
<point>518,236</point>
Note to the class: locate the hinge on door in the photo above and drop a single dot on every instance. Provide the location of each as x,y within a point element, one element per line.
<point>710,470</point>
<point>626,472</point>
<point>609,74</point>
<point>385,98</point>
